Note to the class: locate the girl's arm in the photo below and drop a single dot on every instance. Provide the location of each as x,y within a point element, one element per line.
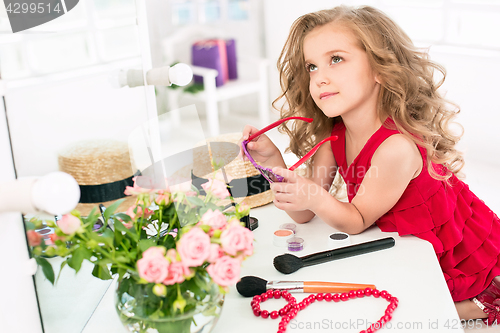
<point>324,170</point>
<point>395,163</point>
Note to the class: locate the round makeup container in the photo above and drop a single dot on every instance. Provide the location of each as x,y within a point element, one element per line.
<point>338,239</point>
<point>289,226</point>
<point>295,244</point>
<point>254,223</point>
<point>280,237</point>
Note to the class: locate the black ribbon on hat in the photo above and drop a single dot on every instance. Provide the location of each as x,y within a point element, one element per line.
<point>104,192</point>
<point>239,187</point>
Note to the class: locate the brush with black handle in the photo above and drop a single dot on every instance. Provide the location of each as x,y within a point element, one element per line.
<point>288,263</point>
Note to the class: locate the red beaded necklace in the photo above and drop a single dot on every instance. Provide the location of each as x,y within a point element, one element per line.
<point>289,311</point>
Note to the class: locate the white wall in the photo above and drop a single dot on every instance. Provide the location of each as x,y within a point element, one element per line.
<point>473,83</point>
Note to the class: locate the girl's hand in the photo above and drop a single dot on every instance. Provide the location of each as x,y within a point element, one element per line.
<point>262,149</point>
<point>296,193</point>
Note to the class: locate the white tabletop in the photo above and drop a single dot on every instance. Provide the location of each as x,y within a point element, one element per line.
<point>409,271</point>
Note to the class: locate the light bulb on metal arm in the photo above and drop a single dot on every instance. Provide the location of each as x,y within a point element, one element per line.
<point>180,74</point>
<point>56,193</point>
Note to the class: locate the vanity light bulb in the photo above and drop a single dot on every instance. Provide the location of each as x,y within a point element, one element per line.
<point>180,74</point>
<point>56,193</point>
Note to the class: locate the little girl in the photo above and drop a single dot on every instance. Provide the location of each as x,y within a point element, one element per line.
<point>360,78</point>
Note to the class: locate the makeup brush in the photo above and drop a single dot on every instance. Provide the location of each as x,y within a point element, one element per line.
<point>250,286</point>
<point>288,263</point>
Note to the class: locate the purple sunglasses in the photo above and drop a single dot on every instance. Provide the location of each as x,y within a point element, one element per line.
<point>268,174</point>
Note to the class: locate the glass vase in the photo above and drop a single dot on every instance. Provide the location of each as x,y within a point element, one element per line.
<point>140,310</point>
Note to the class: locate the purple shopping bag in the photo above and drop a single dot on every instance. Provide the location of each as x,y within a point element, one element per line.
<point>231,59</point>
<point>210,54</point>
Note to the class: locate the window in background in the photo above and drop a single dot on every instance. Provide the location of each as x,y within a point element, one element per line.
<point>183,12</point>
<point>238,10</point>
<point>210,11</point>
<point>92,33</point>
<point>186,12</point>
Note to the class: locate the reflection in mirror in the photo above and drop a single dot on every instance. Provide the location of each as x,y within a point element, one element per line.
<point>61,94</point>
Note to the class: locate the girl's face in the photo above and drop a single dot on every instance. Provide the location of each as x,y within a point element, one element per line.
<point>341,79</point>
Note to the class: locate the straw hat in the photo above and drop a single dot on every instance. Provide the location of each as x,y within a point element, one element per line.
<point>102,168</point>
<point>246,183</point>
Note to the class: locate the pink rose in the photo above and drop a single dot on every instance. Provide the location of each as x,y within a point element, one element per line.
<point>136,189</point>
<point>163,198</point>
<point>193,247</point>
<point>177,272</point>
<point>34,238</point>
<point>53,238</point>
<point>139,214</point>
<point>154,251</point>
<point>172,255</point>
<point>153,266</point>
<point>69,224</point>
<point>243,209</point>
<point>217,187</point>
<point>237,238</point>
<point>215,219</point>
<point>225,271</point>
<point>215,253</point>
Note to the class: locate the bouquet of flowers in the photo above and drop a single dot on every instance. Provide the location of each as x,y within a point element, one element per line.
<point>171,251</point>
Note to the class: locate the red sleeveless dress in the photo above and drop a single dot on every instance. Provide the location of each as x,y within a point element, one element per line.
<point>464,232</point>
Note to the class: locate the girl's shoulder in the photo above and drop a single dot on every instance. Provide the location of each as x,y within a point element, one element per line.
<point>400,150</point>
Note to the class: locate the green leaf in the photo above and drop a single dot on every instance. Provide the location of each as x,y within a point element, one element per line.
<point>98,239</point>
<point>106,237</point>
<point>122,216</point>
<point>196,201</point>
<point>122,259</point>
<point>133,254</point>
<point>145,244</point>
<point>118,237</point>
<point>64,263</point>
<point>168,241</point>
<point>77,257</point>
<point>121,273</point>
<point>101,271</point>
<point>111,209</point>
<point>201,282</point>
<point>29,225</point>
<point>92,217</point>
<point>120,227</point>
<point>47,269</point>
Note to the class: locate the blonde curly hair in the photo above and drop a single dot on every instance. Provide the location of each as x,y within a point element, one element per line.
<point>408,92</point>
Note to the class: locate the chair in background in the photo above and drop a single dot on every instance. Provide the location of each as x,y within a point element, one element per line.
<point>252,78</point>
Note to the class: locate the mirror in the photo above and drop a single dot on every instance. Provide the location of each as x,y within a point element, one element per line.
<point>61,93</point>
